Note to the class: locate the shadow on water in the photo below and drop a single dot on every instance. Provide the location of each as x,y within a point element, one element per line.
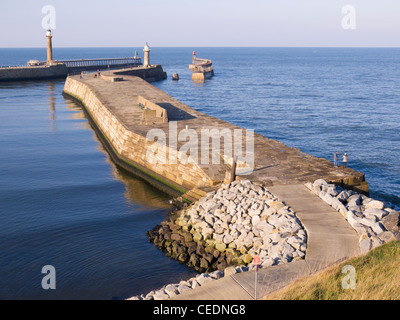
<point>137,190</point>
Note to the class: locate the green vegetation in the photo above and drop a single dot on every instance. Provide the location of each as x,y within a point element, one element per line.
<point>377,278</point>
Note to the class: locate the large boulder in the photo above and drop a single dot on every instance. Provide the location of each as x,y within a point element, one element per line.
<point>392,221</point>
<point>203,278</point>
<point>378,213</point>
<point>375,204</point>
<point>344,195</point>
<point>388,236</point>
<point>365,245</point>
<point>160,295</point>
<point>354,200</point>
<point>171,290</point>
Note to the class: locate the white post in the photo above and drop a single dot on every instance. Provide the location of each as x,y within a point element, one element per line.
<point>255,286</point>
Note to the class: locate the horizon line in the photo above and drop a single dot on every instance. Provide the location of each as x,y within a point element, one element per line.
<point>202,46</point>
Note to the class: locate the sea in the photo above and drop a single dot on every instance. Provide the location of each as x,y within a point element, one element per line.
<point>64,204</point>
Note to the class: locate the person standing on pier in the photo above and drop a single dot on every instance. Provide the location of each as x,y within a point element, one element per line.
<point>345,158</point>
<point>335,159</point>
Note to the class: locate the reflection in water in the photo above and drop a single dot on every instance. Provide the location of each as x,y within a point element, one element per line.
<point>77,113</point>
<point>50,86</point>
<point>137,191</point>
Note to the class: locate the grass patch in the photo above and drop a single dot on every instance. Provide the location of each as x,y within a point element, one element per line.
<point>377,277</point>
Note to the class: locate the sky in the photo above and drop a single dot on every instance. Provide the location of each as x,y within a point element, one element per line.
<point>207,23</point>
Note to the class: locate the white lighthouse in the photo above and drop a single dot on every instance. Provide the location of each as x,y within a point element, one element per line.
<point>146,60</point>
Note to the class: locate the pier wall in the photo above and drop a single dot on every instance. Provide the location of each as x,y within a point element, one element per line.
<point>130,149</point>
<point>78,70</point>
<point>33,73</point>
<point>114,112</point>
<point>150,74</point>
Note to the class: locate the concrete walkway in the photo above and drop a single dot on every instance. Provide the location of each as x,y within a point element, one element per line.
<point>330,239</point>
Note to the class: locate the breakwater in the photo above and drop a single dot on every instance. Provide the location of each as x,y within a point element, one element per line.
<point>62,70</point>
<point>114,111</point>
<point>202,69</point>
<point>229,227</point>
<point>33,73</point>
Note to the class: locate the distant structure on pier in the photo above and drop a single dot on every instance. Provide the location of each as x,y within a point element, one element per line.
<point>51,68</point>
<point>202,68</point>
<point>146,60</point>
<point>49,48</point>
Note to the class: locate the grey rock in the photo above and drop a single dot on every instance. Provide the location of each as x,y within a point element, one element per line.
<point>300,254</point>
<point>388,236</point>
<point>331,190</point>
<point>378,213</point>
<point>160,295</point>
<point>369,221</point>
<point>183,287</point>
<point>207,232</point>
<point>171,290</point>
<point>375,204</point>
<point>326,197</point>
<point>255,220</point>
<point>354,207</point>
<point>295,242</point>
<point>276,237</point>
<point>338,205</point>
<point>275,251</point>
<point>344,195</point>
<point>392,221</point>
<point>229,271</point>
<point>376,242</point>
<point>228,239</point>
<point>362,229</point>
<point>265,227</point>
<point>218,274</point>
<point>320,182</point>
<point>194,284</point>
<point>365,245</point>
<point>354,200</point>
<point>378,228</point>
<point>209,219</point>
<point>203,278</point>
<point>227,218</point>
<point>267,262</point>
<point>353,219</point>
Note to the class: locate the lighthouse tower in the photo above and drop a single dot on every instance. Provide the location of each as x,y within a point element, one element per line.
<point>49,48</point>
<point>146,60</point>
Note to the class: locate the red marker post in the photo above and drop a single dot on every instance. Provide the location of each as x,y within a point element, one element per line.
<point>257,262</point>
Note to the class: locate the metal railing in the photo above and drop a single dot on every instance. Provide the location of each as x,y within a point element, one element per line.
<point>100,62</point>
<point>77,63</point>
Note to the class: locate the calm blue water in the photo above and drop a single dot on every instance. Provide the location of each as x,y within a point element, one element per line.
<point>63,203</point>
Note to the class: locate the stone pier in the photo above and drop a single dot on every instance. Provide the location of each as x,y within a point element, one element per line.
<point>118,117</point>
